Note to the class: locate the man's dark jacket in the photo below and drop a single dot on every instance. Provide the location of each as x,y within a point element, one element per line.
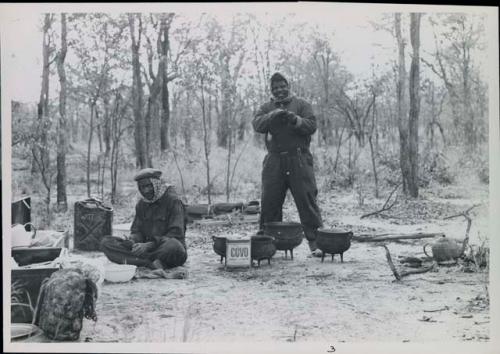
<point>160,220</point>
<point>285,136</point>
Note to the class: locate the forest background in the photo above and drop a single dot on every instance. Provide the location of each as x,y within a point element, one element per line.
<point>401,102</point>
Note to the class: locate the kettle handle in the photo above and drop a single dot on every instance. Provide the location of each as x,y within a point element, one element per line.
<point>427,244</point>
<point>33,227</point>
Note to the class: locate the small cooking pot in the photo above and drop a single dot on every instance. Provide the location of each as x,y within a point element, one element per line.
<point>263,247</point>
<point>219,246</point>
<point>334,241</point>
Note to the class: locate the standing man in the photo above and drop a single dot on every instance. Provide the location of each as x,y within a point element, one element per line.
<point>157,238</point>
<point>288,123</point>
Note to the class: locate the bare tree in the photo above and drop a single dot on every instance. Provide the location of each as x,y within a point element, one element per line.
<point>117,130</point>
<point>142,160</point>
<point>356,110</point>
<point>41,149</point>
<point>414,104</point>
<point>459,36</point>
<point>324,59</point>
<point>401,103</point>
<point>206,136</point>
<point>165,107</point>
<point>62,145</point>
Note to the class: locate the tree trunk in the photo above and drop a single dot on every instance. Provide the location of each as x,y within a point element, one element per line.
<point>89,145</point>
<point>107,126</point>
<point>223,124</point>
<point>186,123</point>
<point>337,155</point>
<point>228,171</point>
<point>224,128</point>
<point>433,118</point>
<point>75,128</point>
<point>147,130</point>
<point>165,107</point>
<point>401,102</point>
<point>137,93</point>
<point>41,151</point>
<point>414,104</point>
<point>209,112</point>
<point>116,132</point>
<point>175,116</point>
<point>206,142</point>
<point>62,145</point>
<point>374,166</point>
<point>468,111</point>
<point>43,104</point>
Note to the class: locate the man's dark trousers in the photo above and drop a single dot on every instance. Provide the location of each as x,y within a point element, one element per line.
<point>170,252</point>
<point>290,170</point>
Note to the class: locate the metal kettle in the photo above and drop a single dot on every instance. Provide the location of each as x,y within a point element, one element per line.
<point>20,237</point>
<point>446,249</point>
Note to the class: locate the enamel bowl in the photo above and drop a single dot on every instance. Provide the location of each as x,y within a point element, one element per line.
<point>119,273</point>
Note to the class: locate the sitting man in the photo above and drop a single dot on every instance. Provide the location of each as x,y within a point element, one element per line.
<point>157,238</point>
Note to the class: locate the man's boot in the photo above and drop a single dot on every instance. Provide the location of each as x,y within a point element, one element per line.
<point>315,251</point>
<point>310,234</point>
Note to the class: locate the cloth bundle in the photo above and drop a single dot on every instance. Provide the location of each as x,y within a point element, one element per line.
<point>173,273</point>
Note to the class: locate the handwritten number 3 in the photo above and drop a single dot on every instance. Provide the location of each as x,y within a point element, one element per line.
<point>332,349</point>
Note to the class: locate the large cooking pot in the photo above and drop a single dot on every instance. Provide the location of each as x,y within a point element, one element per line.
<point>263,247</point>
<point>333,241</point>
<point>287,235</point>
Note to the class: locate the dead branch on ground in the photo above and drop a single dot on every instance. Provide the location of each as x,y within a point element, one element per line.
<point>391,264</point>
<point>386,205</point>
<point>438,310</point>
<point>399,275</point>
<point>465,214</point>
<point>391,237</point>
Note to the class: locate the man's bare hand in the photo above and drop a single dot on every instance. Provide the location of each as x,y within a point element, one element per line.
<point>138,249</point>
<point>292,117</point>
<point>277,112</point>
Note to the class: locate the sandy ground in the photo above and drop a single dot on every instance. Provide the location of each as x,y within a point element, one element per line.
<point>305,299</point>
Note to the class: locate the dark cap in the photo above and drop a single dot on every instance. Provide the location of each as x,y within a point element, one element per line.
<point>278,77</point>
<point>147,173</point>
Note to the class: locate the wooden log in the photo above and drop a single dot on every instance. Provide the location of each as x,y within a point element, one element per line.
<point>392,237</point>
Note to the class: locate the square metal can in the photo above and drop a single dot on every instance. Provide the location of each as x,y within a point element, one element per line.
<point>238,253</point>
